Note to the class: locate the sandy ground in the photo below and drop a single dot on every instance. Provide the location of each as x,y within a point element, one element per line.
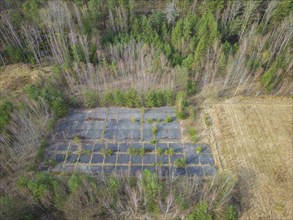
<point>253,138</point>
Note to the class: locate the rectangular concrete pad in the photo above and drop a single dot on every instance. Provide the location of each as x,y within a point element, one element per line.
<point>113,128</point>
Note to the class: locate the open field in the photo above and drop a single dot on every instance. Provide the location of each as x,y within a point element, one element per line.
<point>253,138</point>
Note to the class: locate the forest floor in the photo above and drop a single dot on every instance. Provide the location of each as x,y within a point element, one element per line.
<point>252,136</point>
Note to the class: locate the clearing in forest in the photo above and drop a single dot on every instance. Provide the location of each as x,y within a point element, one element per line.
<point>126,141</point>
<point>253,138</point>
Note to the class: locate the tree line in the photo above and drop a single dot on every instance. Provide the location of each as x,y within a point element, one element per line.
<point>243,46</point>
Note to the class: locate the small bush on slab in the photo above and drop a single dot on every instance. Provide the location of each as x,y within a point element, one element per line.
<point>159,151</point>
<point>106,152</point>
<point>169,151</point>
<point>168,119</point>
<point>180,162</point>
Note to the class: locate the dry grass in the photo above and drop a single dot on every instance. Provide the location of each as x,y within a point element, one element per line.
<point>253,138</point>
<point>14,78</point>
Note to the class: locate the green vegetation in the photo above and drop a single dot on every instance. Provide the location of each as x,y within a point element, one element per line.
<point>153,141</point>
<point>193,135</point>
<point>64,194</point>
<point>149,120</point>
<point>180,162</point>
<point>106,152</point>
<point>201,212</point>
<point>198,149</point>
<point>159,151</point>
<point>51,95</point>
<point>90,98</point>
<point>50,162</point>
<point>231,214</point>
<point>169,151</point>
<point>135,151</point>
<point>129,53</point>
<point>86,152</point>
<point>5,111</point>
<point>76,140</point>
<point>155,130</point>
<point>181,104</point>
<point>168,119</point>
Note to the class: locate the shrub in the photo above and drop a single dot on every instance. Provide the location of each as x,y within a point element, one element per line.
<point>181,101</point>
<point>119,98</point>
<point>33,91</point>
<point>16,54</point>
<point>169,97</point>
<point>198,150</point>
<point>168,119</point>
<point>86,152</point>
<point>181,115</point>
<point>149,120</point>
<point>74,182</point>
<point>41,152</point>
<point>59,107</point>
<point>76,139</point>
<point>201,212</point>
<point>51,95</point>
<point>132,99</point>
<point>90,98</point>
<point>153,141</point>
<point>192,135</point>
<point>151,186</point>
<point>190,88</point>
<point>77,53</point>
<point>159,151</point>
<point>180,162</point>
<point>106,152</point>
<point>5,110</point>
<point>169,151</point>
<point>150,99</point>
<point>181,104</point>
<point>133,120</point>
<point>155,130</point>
<point>107,99</point>
<point>132,151</point>
<point>230,215</point>
<point>142,151</point>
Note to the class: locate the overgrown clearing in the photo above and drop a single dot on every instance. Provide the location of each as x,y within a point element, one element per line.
<point>126,141</point>
<point>253,138</point>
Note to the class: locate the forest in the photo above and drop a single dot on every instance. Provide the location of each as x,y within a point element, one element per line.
<point>137,54</point>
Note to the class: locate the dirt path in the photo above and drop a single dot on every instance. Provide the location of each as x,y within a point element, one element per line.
<point>254,139</point>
